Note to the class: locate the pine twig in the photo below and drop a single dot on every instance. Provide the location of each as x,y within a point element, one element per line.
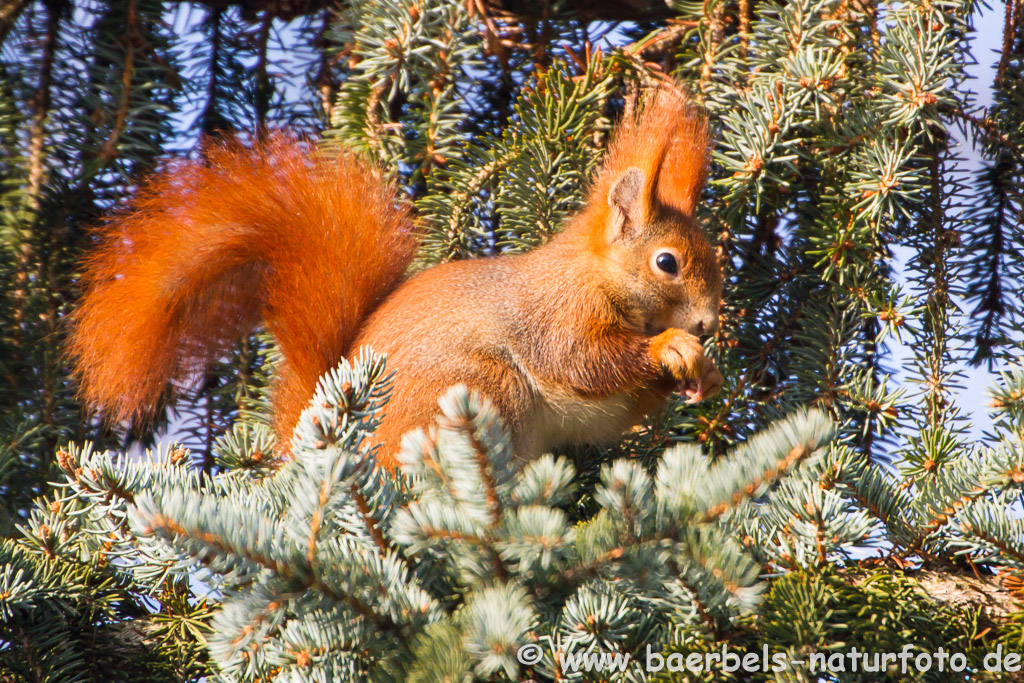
<point>40,105</point>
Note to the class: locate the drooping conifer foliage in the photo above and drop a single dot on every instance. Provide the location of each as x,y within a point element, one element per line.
<point>833,496</point>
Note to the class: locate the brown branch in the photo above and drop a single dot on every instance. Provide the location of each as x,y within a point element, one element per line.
<point>373,125</point>
<point>263,87</point>
<point>942,519</point>
<point>1003,546</point>
<point>450,535</point>
<point>462,200</point>
<point>40,106</point>
<point>428,459</point>
<point>371,524</point>
<point>9,13</point>
<point>988,129</point>
<point>702,610</point>
<point>208,117</point>
<point>322,80</point>
<point>490,490</point>
<point>795,455</point>
<point>131,41</point>
<point>492,33</point>
<point>716,33</point>
<point>952,589</point>
<point>490,493</point>
<point>494,504</point>
<point>861,500</point>
<point>938,522</point>
<point>315,520</point>
<point>745,13</point>
<point>871,12</point>
<point>166,525</point>
<point>819,537</point>
<point>591,568</point>
<point>661,44</point>
<point>28,650</point>
<point>1011,23</point>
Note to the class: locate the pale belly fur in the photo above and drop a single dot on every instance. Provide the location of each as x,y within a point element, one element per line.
<point>562,418</point>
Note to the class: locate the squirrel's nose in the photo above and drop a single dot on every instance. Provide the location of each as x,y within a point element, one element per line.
<point>705,326</point>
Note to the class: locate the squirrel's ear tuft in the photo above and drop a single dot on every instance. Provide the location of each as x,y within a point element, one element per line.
<point>630,201</point>
<point>658,159</point>
<point>666,138</point>
<point>684,166</point>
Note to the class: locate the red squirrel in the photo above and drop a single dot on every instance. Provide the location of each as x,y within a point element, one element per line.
<point>573,342</point>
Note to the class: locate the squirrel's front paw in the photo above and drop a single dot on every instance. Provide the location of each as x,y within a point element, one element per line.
<point>682,355</point>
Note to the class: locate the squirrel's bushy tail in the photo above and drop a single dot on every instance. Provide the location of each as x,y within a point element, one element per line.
<point>307,242</point>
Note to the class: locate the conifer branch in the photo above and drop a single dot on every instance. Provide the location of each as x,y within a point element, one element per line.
<point>40,104</point>
<point>1013,22</point>
<point>263,89</point>
<point>131,42</point>
<point>749,488</point>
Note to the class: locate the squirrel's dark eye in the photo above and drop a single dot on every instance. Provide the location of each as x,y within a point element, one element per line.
<point>667,262</point>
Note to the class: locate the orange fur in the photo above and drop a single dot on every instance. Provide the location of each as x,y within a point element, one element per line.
<point>308,243</point>
<point>573,342</point>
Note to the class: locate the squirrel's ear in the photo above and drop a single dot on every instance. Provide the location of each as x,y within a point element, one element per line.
<point>629,205</point>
